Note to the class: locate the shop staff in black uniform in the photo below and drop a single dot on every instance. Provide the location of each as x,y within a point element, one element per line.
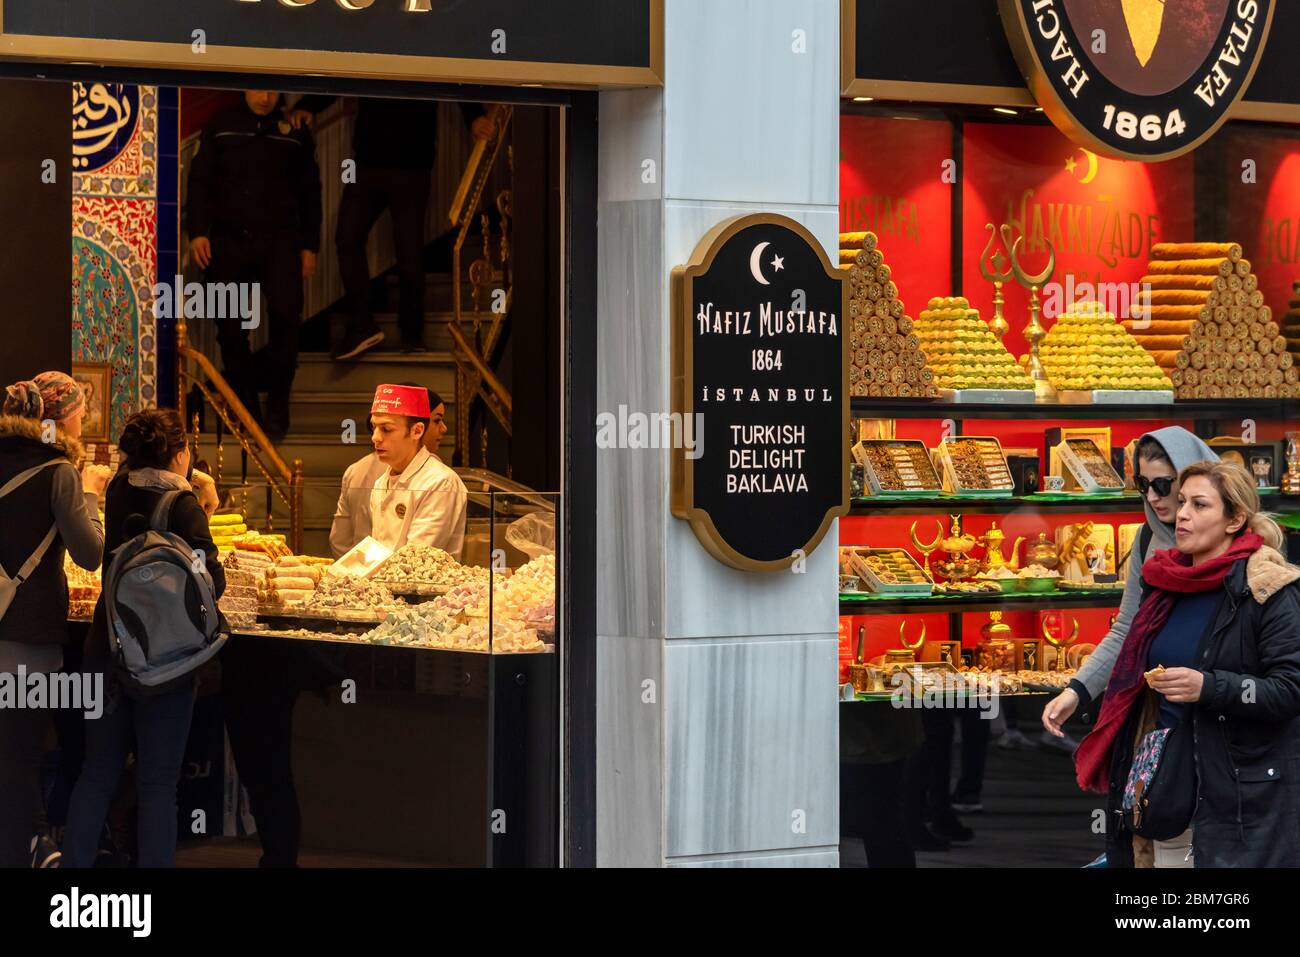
<point>254,211</point>
<point>394,143</point>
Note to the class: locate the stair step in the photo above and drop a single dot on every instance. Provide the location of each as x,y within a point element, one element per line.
<point>324,412</point>
<point>327,418</point>
<point>436,336</point>
<point>317,372</point>
<point>437,291</point>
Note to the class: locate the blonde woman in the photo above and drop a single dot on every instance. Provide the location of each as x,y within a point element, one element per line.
<point>1214,648</point>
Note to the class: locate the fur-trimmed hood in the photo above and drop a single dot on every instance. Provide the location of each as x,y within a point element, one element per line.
<point>31,430</point>
<point>1267,573</point>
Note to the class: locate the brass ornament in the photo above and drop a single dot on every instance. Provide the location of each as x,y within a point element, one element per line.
<point>1060,644</point>
<point>997,272</point>
<point>1034,331</point>
<point>902,637</point>
<point>926,550</point>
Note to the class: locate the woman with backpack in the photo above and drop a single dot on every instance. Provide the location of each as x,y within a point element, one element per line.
<point>157,462</point>
<point>46,507</point>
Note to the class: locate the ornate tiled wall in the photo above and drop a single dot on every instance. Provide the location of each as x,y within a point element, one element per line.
<point>123,234</point>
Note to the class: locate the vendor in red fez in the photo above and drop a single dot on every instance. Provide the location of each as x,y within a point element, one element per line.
<point>416,497</point>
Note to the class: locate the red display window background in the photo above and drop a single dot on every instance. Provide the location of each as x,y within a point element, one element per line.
<point>1263,207</point>
<point>891,182</point>
<point>1101,215</point>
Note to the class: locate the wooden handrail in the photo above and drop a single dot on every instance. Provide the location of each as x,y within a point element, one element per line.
<point>466,185</point>
<point>245,419</point>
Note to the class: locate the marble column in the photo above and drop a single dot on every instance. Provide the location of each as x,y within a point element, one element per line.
<point>717,739</point>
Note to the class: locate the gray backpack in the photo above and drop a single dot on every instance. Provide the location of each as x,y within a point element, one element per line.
<point>9,586</point>
<point>161,607</point>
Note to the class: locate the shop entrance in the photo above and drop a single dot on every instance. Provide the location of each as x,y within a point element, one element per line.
<point>440,756</point>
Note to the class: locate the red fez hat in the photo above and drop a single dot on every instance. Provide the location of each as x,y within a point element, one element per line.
<point>401,400</point>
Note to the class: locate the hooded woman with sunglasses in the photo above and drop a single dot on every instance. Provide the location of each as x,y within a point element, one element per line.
<point>1158,459</point>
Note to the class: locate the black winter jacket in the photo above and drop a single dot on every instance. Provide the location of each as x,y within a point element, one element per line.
<point>1246,728</point>
<point>253,176</point>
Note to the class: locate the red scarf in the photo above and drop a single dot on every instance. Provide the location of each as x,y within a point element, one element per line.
<point>1169,573</point>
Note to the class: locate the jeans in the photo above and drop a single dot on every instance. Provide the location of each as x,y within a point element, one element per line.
<point>929,770</point>
<point>260,690</point>
<point>405,194</point>
<point>70,731</point>
<point>22,738</point>
<point>874,795</point>
<point>275,262</point>
<point>161,727</point>
<point>974,750</point>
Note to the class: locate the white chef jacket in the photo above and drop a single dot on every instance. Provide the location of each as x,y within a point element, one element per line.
<point>434,500</point>
<point>352,515</point>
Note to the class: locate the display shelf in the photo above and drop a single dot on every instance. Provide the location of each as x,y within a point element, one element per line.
<point>1267,409</point>
<point>968,701</point>
<point>954,604</point>
<point>932,504</point>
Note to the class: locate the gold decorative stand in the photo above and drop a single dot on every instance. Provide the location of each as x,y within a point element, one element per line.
<point>997,272</point>
<point>1034,332</point>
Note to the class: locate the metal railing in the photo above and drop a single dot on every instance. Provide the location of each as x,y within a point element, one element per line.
<point>193,368</point>
<point>472,351</point>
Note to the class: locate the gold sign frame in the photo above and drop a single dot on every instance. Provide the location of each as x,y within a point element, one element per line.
<point>384,66</point>
<point>683,385</point>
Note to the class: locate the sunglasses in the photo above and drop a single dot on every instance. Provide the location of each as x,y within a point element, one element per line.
<point>1163,486</point>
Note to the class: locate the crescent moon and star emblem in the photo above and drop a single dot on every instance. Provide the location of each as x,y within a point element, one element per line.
<point>1091,173</point>
<point>756,266</point>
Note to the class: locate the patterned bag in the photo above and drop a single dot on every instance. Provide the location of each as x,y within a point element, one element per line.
<point>1160,796</point>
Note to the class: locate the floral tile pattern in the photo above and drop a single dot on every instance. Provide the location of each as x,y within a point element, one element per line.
<point>114,238</point>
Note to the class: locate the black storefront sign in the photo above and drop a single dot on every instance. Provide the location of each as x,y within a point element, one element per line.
<point>760,381</point>
<point>967,58</point>
<point>1144,80</point>
<point>559,42</point>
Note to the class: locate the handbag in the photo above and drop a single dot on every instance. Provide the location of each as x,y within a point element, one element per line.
<point>1160,795</point>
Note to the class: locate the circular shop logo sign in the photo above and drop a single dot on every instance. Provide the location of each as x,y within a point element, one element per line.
<point>1137,79</point>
